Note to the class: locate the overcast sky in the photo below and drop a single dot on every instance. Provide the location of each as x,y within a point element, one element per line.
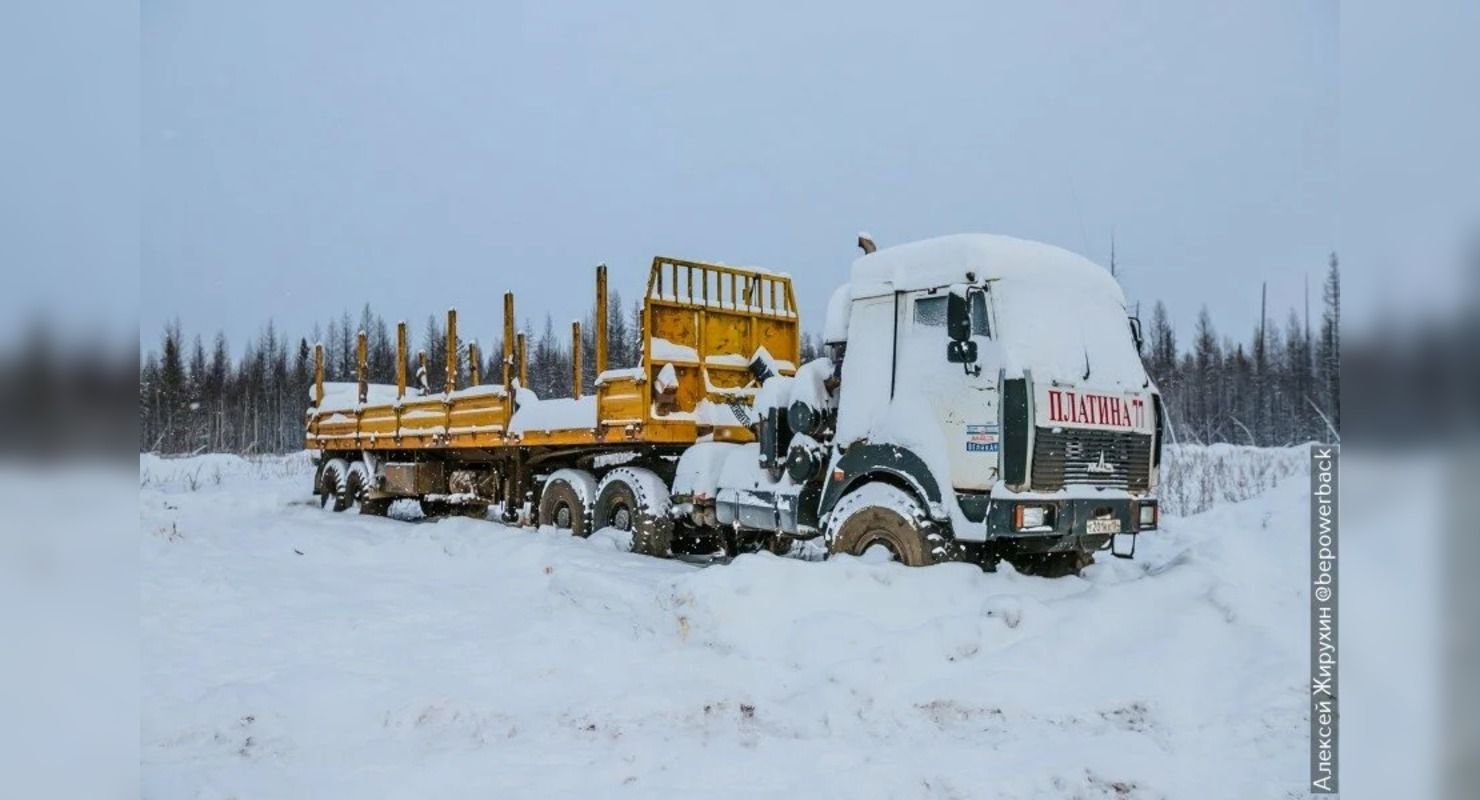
<point>303,158</point>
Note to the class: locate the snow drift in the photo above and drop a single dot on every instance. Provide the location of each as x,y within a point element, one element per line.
<point>290,652</point>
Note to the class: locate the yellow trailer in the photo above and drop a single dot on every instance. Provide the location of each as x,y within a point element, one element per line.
<point>710,333</point>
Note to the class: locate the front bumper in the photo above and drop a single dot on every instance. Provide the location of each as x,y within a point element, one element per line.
<point>1078,523</point>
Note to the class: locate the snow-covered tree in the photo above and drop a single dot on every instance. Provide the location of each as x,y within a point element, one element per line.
<point>619,347</point>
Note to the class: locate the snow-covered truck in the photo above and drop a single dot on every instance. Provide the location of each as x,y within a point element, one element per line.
<point>981,397</point>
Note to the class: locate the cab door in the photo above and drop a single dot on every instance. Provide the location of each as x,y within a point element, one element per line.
<point>962,398</point>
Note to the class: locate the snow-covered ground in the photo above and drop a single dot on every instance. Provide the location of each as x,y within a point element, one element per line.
<point>1195,477</point>
<point>291,652</point>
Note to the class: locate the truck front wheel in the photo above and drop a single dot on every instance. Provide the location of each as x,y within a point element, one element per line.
<point>880,515</point>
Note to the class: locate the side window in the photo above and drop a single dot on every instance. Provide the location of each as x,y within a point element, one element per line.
<point>980,326</point>
<point>931,311</point>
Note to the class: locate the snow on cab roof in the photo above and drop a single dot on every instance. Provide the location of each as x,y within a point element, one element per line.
<point>946,259</point>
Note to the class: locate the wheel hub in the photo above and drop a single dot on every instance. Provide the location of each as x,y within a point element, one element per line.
<point>882,543</point>
<point>622,519</point>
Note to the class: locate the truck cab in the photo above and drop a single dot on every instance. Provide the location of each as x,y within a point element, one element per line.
<point>983,398</point>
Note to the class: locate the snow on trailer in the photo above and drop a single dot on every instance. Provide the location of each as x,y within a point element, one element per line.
<point>487,444</point>
<point>703,324</point>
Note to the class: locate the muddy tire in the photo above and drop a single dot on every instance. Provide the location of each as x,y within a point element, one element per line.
<point>564,502</point>
<point>1052,565</point>
<point>331,484</point>
<point>882,515</point>
<point>355,492</point>
<point>636,500</point>
<point>355,488</point>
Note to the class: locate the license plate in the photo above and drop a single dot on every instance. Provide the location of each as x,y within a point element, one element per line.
<point>1102,526</point>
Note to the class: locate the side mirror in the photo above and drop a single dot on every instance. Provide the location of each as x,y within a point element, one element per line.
<point>961,352</point>
<point>958,319</point>
<point>1136,333</point>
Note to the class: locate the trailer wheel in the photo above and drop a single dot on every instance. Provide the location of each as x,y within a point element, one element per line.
<point>355,485</point>
<point>357,490</point>
<point>880,515</point>
<point>565,502</point>
<point>331,483</point>
<point>636,500</point>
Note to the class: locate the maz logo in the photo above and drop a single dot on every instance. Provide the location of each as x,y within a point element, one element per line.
<point>1101,466</point>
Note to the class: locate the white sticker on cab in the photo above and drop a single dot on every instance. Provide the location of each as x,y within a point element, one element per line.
<point>981,438</point>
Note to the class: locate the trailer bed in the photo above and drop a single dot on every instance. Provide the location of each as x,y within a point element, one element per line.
<point>702,326</point>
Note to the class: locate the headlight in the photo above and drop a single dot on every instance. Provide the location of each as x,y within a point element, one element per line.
<point>1031,517</point>
<point>1148,515</point>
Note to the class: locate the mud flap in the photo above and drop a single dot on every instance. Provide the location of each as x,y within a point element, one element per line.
<point>1116,548</point>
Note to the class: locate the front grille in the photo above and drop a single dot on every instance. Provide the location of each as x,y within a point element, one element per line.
<point>1072,456</point>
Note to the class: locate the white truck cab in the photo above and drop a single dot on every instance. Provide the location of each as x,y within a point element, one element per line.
<point>985,398</point>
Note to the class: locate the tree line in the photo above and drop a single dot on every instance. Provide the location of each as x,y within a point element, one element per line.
<point>198,399</point>
<point>1282,387</point>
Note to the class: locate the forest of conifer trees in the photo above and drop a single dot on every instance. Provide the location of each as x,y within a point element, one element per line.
<point>1281,385</point>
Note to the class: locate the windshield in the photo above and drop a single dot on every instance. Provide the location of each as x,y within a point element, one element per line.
<point>1067,334</point>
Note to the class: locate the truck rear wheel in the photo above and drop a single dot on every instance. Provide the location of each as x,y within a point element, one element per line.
<point>357,487</point>
<point>354,489</point>
<point>565,502</point>
<point>331,484</point>
<point>880,515</point>
<point>636,500</point>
